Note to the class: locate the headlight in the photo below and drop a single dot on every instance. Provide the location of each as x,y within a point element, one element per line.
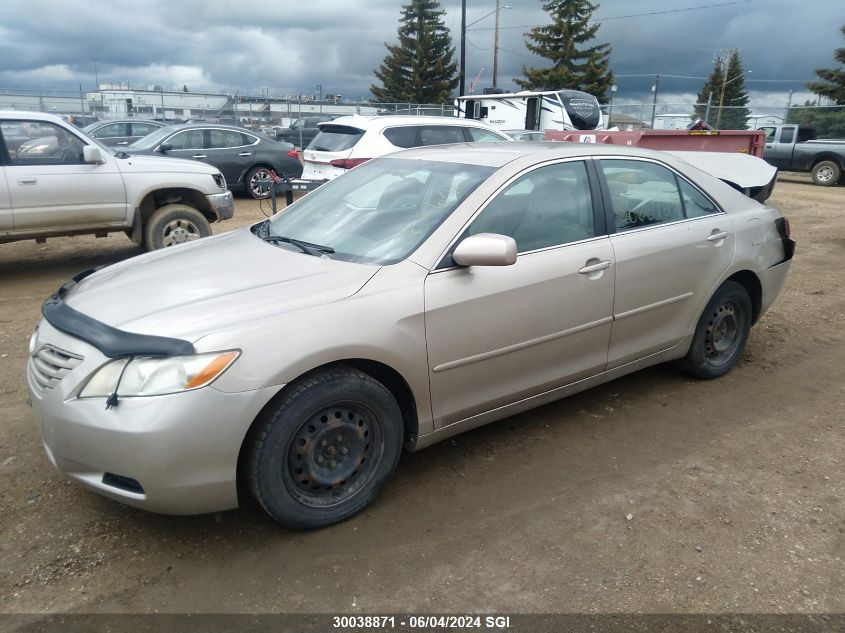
<point>157,376</point>
<point>220,180</point>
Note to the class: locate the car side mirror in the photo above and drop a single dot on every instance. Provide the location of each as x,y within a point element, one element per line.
<point>485,249</point>
<point>92,155</point>
<point>165,147</point>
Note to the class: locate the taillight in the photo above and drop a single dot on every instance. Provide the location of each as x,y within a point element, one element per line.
<point>293,153</point>
<point>347,163</point>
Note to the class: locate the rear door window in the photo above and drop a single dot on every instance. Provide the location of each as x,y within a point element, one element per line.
<point>221,139</point>
<point>641,193</point>
<point>403,136</point>
<point>335,138</point>
<point>787,134</point>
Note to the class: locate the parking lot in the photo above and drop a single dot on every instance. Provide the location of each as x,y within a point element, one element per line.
<point>653,493</point>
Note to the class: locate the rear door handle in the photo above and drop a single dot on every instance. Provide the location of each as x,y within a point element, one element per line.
<point>27,181</point>
<point>122,143</point>
<point>715,237</point>
<point>594,268</point>
<point>245,154</point>
<point>199,156</point>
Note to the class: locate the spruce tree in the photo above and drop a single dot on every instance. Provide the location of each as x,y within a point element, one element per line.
<point>574,65</point>
<point>832,84</point>
<point>421,68</point>
<point>734,111</point>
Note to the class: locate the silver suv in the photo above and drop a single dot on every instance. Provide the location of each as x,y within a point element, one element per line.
<point>55,180</point>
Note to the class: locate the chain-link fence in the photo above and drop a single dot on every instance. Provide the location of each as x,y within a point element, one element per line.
<point>250,111</point>
<point>265,111</point>
<point>829,121</point>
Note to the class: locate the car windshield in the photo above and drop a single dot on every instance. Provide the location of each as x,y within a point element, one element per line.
<point>381,211</point>
<point>151,140</point>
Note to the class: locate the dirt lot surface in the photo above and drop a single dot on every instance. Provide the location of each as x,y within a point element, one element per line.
<point>655,493</point>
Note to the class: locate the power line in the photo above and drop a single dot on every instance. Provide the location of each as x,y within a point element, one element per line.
<point>631,15</point>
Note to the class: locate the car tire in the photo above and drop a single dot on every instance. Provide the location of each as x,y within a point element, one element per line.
<point>325,449</point>
<point>721,333</point>
<point>827,173</point>
<point>174,224</point>
<point>250,182</point>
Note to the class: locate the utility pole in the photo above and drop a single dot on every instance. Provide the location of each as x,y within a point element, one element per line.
<point>462,85</point>
<point>654,103</point>
<point>96,74</point>
<point>707,111</point>
<point>496,46</point>
<point>81,101</point>
<point>724,85</point>
<point>788,106</point>
<point>610,109</point>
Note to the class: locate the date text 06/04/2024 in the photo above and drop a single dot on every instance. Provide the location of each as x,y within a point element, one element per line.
<point>421,622</point>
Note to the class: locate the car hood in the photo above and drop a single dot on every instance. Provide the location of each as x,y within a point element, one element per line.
<point>191,290</point>
<point>144,161</point>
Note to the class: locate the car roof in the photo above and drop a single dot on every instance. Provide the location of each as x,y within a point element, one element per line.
<point>382,121</point>
<point>130,120</point>
<point>33,116</point>
<point>498,154</point>
<point>221,126</point>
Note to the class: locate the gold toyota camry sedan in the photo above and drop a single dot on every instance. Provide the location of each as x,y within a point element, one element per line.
<point>415,297</point>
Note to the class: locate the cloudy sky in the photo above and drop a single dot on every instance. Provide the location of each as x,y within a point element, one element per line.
<point>290,47</point>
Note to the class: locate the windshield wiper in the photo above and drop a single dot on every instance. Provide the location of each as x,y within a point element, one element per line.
<point>262,230</point>
<point>306,247</point>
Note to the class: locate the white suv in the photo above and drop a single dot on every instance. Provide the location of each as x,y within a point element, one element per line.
<point>349,141</point>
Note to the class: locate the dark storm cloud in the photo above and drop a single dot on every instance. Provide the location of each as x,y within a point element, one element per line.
<point>290,47</point>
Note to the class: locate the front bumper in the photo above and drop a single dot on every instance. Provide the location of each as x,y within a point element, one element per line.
<point>175,454</point>
<point>223,204</point>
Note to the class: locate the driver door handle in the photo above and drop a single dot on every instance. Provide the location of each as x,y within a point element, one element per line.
<point>245,154</point>
<point>27,181</point>
<point>199,156</point>
<point>122,143</point>
<point>715,237</point>
<point>593,268</point>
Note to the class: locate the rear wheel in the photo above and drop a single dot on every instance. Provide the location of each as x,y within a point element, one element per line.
<point>721,333</point>
<point>253,182</point>
<point>174,224</point>
<point>827,173</point>
<point>326,450</point>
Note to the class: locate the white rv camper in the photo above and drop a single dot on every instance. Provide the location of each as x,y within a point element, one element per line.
<point>547,110</point>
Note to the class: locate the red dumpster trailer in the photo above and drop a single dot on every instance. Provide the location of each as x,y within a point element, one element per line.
<point>734,156</point>
<point>750,142</point>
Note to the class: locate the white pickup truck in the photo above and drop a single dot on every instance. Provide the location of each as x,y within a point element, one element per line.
<point>55,180</point>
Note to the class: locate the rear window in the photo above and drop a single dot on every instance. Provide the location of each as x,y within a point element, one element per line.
<point>335,138</point>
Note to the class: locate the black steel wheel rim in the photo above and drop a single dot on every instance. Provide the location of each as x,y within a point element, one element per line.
<point>333,454</point>
<point>260,174</point>
<point>724,333</point>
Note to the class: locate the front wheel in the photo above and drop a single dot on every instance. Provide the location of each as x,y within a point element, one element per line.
<point>721,333</point>
<point>827,173</point>
<point>174,224</point>
<point>325,450</point>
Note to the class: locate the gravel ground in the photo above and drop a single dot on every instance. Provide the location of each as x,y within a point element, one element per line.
<point>655,493</point>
